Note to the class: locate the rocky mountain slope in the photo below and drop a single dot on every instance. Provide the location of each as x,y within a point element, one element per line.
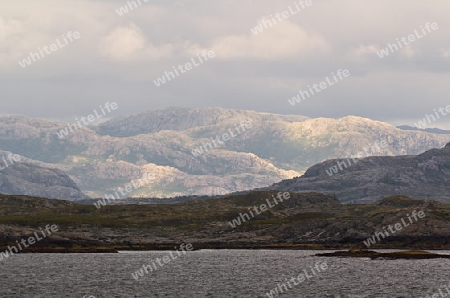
<point>160,143</point>
<point>28,179</point>
<point>180,119</point>
<point>307,220</point>
<point>426,175</point>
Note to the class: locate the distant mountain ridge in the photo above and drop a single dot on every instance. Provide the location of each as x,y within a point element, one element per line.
<point>430,130</point>
<point>426,176</point>
<point>278,147</point>
<point>181,119</point>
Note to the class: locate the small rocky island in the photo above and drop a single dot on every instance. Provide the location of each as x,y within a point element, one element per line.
<point>409,254</point>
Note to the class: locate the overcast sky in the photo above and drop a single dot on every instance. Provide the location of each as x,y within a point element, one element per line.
<point>117,58</point>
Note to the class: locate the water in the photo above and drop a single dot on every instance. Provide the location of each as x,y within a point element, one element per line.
<point>217,273</point>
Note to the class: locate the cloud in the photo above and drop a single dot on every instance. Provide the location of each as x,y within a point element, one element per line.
<point>364,50</point>
<point>129,43</point>
<point>9,36</point>
<point>445,53</point>
<point>9,28</point>
<point>123,42</point>
<point>283,41</point>
<point>118,57</point>
<point>410,51</point>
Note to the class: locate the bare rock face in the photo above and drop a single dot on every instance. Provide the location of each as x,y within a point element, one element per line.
<point>425,176</point>
<point>32,180</point>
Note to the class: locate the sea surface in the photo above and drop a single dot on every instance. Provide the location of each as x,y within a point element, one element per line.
<point>217,273</point>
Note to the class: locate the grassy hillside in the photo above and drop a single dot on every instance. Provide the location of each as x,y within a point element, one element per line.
<point>308,220</point>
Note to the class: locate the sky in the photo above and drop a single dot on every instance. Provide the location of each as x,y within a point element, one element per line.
<point>118,58</point>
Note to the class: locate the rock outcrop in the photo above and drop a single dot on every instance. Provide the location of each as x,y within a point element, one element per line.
<point>425,176</point>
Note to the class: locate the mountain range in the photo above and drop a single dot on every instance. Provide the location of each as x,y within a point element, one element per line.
<point>100,159</point>
<point>430,130</point>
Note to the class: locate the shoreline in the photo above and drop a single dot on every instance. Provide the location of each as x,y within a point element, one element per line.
<point>206,246</point>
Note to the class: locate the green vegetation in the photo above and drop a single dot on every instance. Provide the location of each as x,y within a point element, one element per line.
<point>304,221</point>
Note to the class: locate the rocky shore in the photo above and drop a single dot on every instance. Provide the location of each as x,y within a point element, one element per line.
<point>305,221</point>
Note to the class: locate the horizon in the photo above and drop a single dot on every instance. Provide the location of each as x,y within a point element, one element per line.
<point>431,125</point>
<point>394,72</point>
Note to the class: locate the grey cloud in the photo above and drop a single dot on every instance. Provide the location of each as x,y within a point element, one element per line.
<point>76,79</point>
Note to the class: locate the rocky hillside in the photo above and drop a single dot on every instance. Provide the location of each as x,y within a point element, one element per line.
<point>426,176</point>
<point>308,220</point>
<point>27,179</point>
<point>160,144</point>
